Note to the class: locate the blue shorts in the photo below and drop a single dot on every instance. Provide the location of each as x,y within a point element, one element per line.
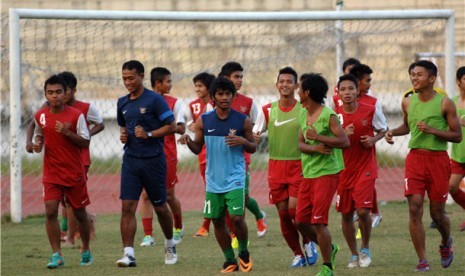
<point>144,173</point>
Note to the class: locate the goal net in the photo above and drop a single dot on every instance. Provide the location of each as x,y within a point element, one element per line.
<point>95,49</point>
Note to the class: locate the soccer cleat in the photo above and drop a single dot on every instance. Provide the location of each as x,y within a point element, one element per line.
<point>229,267</point>
<point>202,232</point>
<point>310,253</point>
<point>447,254</point>
<point>298,261</point>
<point>262,228</point>
<point>423,266</point>
<point>177,235</point>
<point>333,254</point>
<point>147,241</point>
<point>126,261</point>
<point>376,219</point>
<point>86,258</point>
<point>359,234</point>
<point>325,271</point>
<point>170,255</point>
<point>234,243</point>
<point>364,257</point>
<point>462,226</point>
<point>56,261</point>
<point>245,261</point>
<point>353,262</point>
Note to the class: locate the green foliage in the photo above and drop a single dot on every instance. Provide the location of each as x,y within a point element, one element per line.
<point>25,248</point>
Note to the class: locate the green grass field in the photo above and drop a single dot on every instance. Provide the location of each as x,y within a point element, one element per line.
<point>25,249</point>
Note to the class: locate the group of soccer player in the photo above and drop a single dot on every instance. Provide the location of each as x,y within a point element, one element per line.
<point>315,152</point>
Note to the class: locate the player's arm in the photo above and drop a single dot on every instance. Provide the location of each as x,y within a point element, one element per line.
<point>339,140</point>
<point>39,137</point>
<point>315,148</point>
<point>247,142</point>
<point>30,132</point>
<point>454,132</point>
<point>260,126</point>
<point>194,145</point>
<point>95,119</point>
<point>181,117</point>
<point>403,129</point>
<point>81,137</point>
<point>380,129</point>
<point>167,129</point>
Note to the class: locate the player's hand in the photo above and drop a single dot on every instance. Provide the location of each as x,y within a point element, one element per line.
<point>140,132</point>
<point>38,146</point>
<point>423,127</point>
<point>367,141</point>
<point>323,149</point>
<point>256,137</point>
<point>234,140</point>
<point>123,135</point>
<point>61,128</point>
<point>389,137</point>
<point>184,139</point>
<point>349,129</point>
<point>30,147</point>
<point>311,133</point>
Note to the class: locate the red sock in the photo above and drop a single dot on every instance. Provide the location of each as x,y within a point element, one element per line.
<point>289,232</point>
<point>229,223</point>
<point>206,223</point>
<point>375,209</point>
<point>147,225</point>
<point>177,221</point>
<point>459,197</point>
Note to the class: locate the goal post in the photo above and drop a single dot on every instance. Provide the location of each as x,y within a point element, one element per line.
<point>15,52</point>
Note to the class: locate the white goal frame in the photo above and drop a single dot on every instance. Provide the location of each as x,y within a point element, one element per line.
<point>15,52</point>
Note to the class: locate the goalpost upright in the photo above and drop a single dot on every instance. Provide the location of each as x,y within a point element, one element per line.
<point>15,15</point>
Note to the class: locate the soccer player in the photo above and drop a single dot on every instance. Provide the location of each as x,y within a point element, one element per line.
<point>234,72</point>
<point>62,130</point>
<point>432,120</point>
<point>321,138</point>
<point>363,73</point>
<point>458,150</point>
<point>145,119</point>
<point>197,107</point>
<point>281,119</point>
<point>93,117</point>
<point>346,66</point>
<point>226,134</point>
<point>355,190</point>
<point>411,91</point>
<point>160,79</point>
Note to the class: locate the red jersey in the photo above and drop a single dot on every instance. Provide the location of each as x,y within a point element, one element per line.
<point>84,108</point>
<point>243,104</point>
<point>360,162</point>
<point>170,140</point>
<point>62,158</point>
<point>198,107</point>
<point>364,98</point>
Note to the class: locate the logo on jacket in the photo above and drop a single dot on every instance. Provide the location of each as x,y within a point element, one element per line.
<point>142,110</point>
<point>232,132</point>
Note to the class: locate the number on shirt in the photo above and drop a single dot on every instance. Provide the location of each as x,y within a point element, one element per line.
<point>42,119</point>
<point>196,108</point>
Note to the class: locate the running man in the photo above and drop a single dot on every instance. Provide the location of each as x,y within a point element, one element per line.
<point>144,119</point>
<point>281,119</point>
<point>432,120</point>
<point>226,134</point>
<point>160,79</point>
<point>357,180</point>
<point>63,131</point>
<point>321,138</point>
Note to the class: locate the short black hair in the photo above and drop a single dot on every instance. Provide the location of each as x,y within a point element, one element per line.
<point>349,62</point>
<point>55,79</point>
<point>221,84</point>
<point>69,78</point>
<point>359,70</point>
<point>290,71</point>
<point>348,77</point>
<point>316,85</point>
<point>158,74</point>
<point>411,66</point>
<point>205,78</point>
<point>429,66</point>
<point>460,72</point>
<point>230,67</point>
<point>134,64</point>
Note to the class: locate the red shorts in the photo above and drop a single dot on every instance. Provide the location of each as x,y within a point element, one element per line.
<point>314,199</point>
<point>76,196</point>
<point>284,178</point>
<point>171,176</point>
<point>360,196</point>
<point>86,168</point>
<point>427,171</point>
<point>203,168</point>
<point>457,168</point>
<point>282,191</point>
